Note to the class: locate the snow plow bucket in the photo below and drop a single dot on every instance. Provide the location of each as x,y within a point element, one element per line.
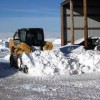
<point>48,46</point>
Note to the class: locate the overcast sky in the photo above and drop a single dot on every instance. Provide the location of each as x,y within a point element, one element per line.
<point>16,14</point>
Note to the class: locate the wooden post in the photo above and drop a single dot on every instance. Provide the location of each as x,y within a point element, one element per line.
<point>85,23</point>
<point>71,22</point>
<point>62,24</point>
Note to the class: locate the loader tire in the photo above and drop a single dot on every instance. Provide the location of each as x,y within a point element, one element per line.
<point>19,61</point>
<point>13,61</point>
<point>25,70</point>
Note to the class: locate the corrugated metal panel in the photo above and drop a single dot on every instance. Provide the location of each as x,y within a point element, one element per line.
<point>93,19</point>
<point>93,23</point>
<point>78,34</point>
<point>78,22</point>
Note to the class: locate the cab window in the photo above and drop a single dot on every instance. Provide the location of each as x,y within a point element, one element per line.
<point>16,37</point>
<point>22,35</point>
<point>39,36</point>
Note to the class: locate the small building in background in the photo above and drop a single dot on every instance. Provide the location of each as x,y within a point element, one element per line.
<point>79,18</point>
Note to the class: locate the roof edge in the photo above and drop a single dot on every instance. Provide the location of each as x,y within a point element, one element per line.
<point>65,2</point>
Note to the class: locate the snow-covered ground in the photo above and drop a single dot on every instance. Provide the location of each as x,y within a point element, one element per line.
<point>64,73</point>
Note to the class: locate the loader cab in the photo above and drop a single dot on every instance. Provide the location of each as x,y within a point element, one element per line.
<point>30,36</point>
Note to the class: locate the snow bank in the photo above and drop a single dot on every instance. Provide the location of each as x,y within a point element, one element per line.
<point>67,60</point>
<point>7,58</point>
<point>57,41</point>
<point>51,63</point>
<point>89,61</point>
<point>3,50</point>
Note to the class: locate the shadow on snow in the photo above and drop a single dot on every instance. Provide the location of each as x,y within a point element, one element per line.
<point>6,70</point>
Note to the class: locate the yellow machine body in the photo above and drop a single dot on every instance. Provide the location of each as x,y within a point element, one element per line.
<point>48,45</point>
<point>19,48</point>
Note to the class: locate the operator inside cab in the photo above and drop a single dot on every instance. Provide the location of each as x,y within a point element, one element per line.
<point>30,39</point>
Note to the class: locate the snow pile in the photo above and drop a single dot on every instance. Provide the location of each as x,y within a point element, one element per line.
<point>6,58</point>
<point>43,62</point>
<point>89,61</point>
<point>57,41</point>
<point>4,48</point>
<point>79,41</point>
<point>50,63</point>
<point>66,60</point>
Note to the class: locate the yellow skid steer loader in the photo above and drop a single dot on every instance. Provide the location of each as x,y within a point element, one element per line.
<point>23,41</point>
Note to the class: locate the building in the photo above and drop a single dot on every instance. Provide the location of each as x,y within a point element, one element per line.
<point>79,18</point>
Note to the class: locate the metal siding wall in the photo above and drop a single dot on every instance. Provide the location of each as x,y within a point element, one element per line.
<point>95,33</point>
<point>78,25</point>
<point>93,23</point>
<point>78,34</point>
<point>78,22</point>
<point>93,20</point>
